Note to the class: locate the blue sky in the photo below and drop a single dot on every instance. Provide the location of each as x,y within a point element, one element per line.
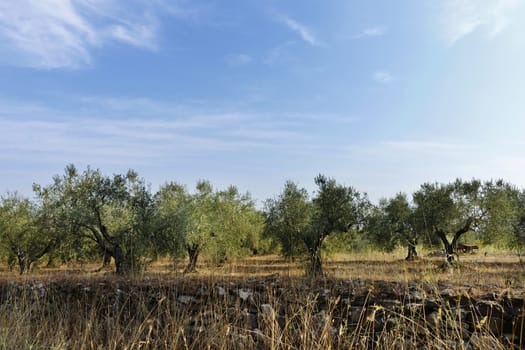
<point>381,95</point>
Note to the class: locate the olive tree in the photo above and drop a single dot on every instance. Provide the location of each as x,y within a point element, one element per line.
<point>23,236</point>
<point>187,219</point>
<point>439,210</point>
<point>288,217</point>
<point>174,210</point>
<point>393,222</point>
<point>218,224</point>
<point>457,208</point>
<point>518,223</point>
<point>501,202</point>
<point>238,226</point>
<point>115,213</point>
<point>333,209</point>
<point>336,209</point>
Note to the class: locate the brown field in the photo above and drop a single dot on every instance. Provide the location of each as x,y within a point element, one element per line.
<point>365,301</point>
<point>492,270</point>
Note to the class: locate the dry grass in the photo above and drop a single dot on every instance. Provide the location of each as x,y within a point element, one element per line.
<point>494,270</point>
<point>76,308</point>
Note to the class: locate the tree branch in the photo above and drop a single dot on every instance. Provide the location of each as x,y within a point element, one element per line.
<point>443,236</point>
<point>462,230</point>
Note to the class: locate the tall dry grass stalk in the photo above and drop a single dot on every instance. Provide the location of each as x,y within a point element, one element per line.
<point>211,314</point>
<point>376,302</point>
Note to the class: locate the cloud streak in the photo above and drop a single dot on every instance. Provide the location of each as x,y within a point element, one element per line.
<point>111,141</point>
<point>39,133</point>
<point>371,32</point>
<point>461,18</point>
<point>50,34</point>
<point>302,30</point>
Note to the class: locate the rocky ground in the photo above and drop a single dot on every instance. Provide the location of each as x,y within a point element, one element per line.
<point>272,311</point>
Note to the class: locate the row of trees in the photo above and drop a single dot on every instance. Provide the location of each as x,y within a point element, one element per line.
<point>89,214</point>
<point>492,212</point>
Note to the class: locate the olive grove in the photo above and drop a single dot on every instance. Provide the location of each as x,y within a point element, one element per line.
<point>87,215</point>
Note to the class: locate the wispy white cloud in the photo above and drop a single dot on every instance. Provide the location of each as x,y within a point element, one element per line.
<point>238,59</point>
<point>371,32</point>
<point>102,129</point>
<point>462,17</point>
<point>63,33</point>
<point>302,30</point>
<point>139,36</point>
<point>112,141</point>
<point>45,33</point>
<point>162,140</point>
<point>382,77</point>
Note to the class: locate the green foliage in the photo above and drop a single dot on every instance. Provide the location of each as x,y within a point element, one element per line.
<point>448,208</point>
<point>174,218</point>
<point>501,203</point>
<point>518,222</point>
<point>87,215</point>
<point>481,210</point>
<point>336,209</point>
<point>293,218</point>
<point>467,206</point>
<point>218,224</point>
<point>237,225</point>
<point>392,223</point>
<point>288,218</point>
<point>346,242</point>
<point>434,208</point>
<point>23,238</point>
<point>113,212</point>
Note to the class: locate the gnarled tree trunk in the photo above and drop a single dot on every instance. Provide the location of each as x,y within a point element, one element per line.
<point>25,259</point>
<point>315,265</point>
<point>106,258</point>
<point>412,253</point>
<point>450,247</point>
<point>24,263</point>
<point>11,261</point>
<point>124,262</point>
<point>193,255</point>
